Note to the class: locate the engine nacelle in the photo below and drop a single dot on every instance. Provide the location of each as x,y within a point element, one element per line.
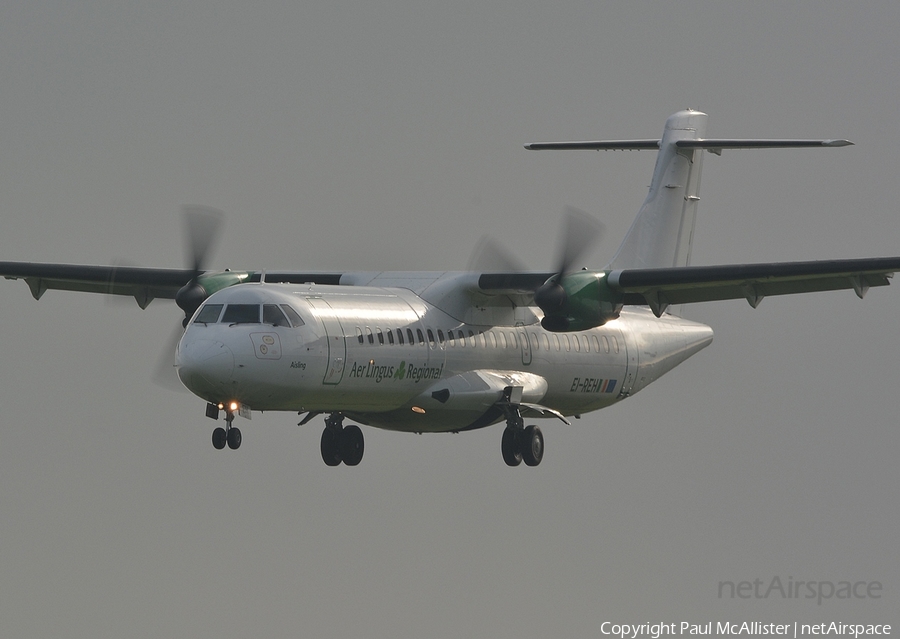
<point>578,301</point>
<point>194,293</point>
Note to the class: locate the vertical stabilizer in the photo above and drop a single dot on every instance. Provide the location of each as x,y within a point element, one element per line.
<point>662,233</point>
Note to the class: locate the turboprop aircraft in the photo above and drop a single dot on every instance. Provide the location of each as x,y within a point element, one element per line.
<point>448,352</point>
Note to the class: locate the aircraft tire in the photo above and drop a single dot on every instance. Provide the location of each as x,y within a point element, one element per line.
<point>532,446</point>
<point>234,438</point>
<point>509,446</point>
<point>352,445</point>
<point>218,438</point>
<point>331,453</point>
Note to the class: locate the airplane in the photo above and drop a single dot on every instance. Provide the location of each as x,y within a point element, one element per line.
<point>425,352</point>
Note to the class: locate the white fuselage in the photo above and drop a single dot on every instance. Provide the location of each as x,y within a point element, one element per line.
<point>383,356</point>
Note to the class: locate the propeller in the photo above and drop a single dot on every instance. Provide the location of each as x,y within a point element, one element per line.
<point>164,374</point>
<point>579,233</point>
<point>490,256</point>
<point>202,226</point>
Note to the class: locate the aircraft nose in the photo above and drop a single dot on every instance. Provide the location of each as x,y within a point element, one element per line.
<point>205,367</point>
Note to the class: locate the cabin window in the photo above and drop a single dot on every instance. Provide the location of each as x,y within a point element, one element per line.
<point>241,314</point>
<point>431,338</point>
<point>596,343</point>
<point>209,314</point>
<point>440,336</point>
<point>585,344</point>
<point>481,340</point>
<point>293,315</point>
<point>399,335</point>
<point>605,344</point>
<point>615,343</point>
<point>369,337</point>
<point>513,341</point>
<point>502,336</point>
<point>450,340</point>
<point>420,336</point>
<point>546,341</point>
<point>566,342</point>
<point>492,340</point>
<point>390,336</point>
<point>576,344</point>
<point>471,339</point>
<point>380,336</point>
<point>409,334</point>
<point>359,335</point>
<point>556,342</point>
<point>274,316</point>
<point>534,342</point>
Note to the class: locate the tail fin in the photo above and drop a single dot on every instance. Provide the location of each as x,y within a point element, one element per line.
<point>663,231</point>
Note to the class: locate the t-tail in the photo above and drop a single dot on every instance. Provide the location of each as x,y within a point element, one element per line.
<point>662,234</point>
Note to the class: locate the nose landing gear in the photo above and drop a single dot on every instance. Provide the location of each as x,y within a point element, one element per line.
<point>230,435</point>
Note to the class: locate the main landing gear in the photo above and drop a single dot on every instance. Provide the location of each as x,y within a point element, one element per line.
<point>230,435</point>
<point>341,443</point>
<point>521,443</point>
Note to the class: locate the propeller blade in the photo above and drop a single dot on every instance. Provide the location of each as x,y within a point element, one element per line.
<point>164,373</point>
<point>580,232</point>
<point>489,256</point>
<point>202,227</point>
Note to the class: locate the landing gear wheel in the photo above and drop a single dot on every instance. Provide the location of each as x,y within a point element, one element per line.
<point>509,446</point>
<point>331,452</point>
<point>352,445</point>
<point>218,438</point>
<point>234,438</point>
<point>532,446</point>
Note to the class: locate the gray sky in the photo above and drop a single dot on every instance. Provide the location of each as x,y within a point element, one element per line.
<point>388,135</point>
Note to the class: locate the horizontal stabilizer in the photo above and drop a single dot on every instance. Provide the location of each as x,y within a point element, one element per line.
<point>599,145</point>
<point>757,144</point>
<point>716,146</point>
<point>711,145</point>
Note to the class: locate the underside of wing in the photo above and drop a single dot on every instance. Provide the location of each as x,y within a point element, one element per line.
<point>144,284</point>
<point>659,288</point>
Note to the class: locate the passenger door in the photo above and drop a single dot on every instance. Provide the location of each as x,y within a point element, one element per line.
<point>335,339</point>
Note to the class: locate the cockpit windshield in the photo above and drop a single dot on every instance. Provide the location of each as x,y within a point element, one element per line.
<point>241,314</point>
<point>272,314</point>
<point>209,314</point>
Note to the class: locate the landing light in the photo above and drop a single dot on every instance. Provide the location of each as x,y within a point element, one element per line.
<point>419,410</point>
<point>233,406</point>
